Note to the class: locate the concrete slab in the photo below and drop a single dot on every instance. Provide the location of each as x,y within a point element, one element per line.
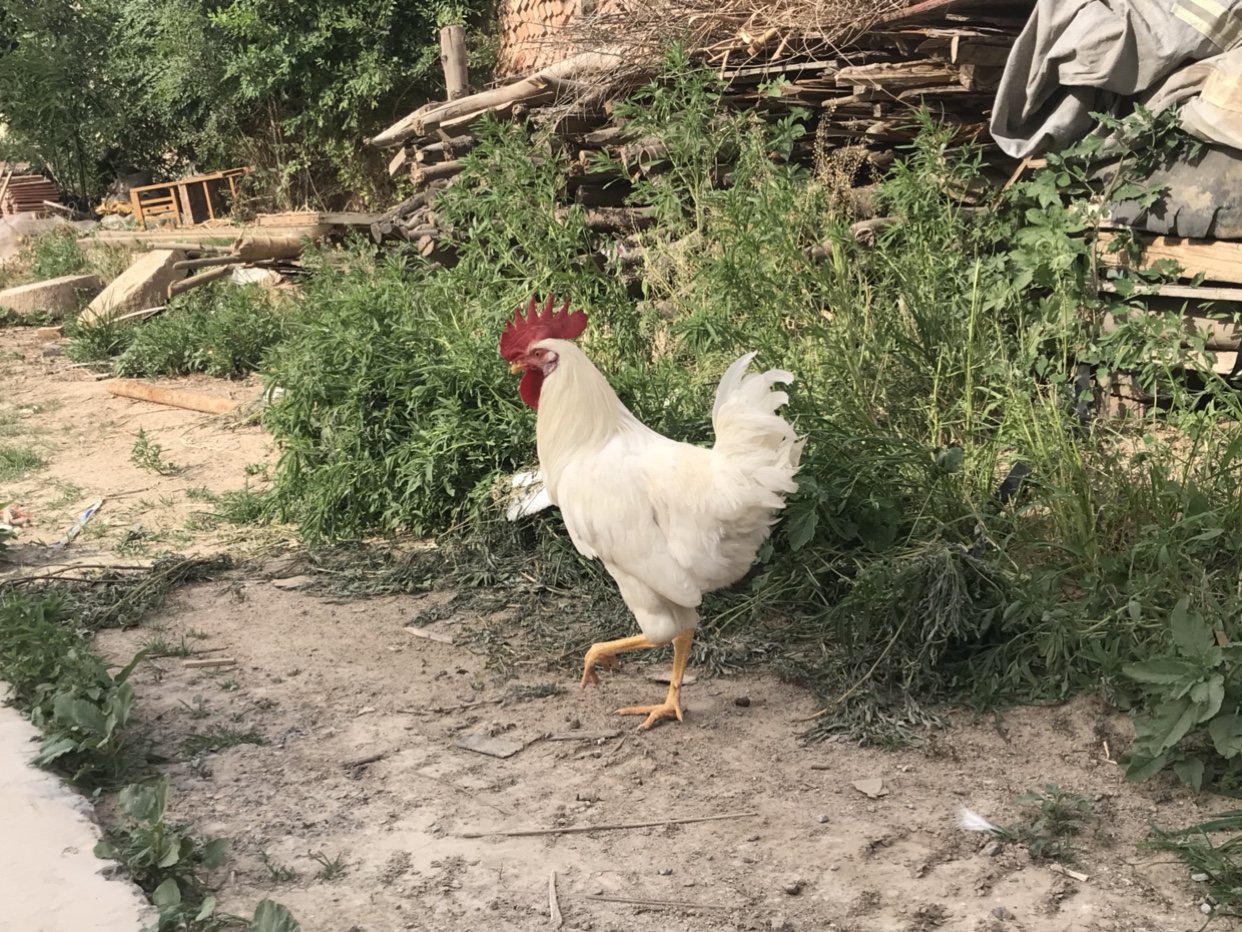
<point>58,295</point>
<point>50,879</point>
<point>144,284</point>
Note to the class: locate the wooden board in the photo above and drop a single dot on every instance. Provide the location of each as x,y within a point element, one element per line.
<point>1216,260</point>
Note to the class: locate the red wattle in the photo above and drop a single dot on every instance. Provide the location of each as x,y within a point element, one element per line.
<point>532,382</point>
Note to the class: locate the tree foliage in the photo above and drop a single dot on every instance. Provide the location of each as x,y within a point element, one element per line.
<point>96,88</point>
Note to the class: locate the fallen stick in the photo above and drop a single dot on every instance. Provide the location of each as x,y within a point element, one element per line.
<point>140,315</point>
<point>553,906</point>
<point>430,635</point>
<point>363,761</point>
<point>582,735</point>
<point>190,247</point>
<point>1076,875</point>
<point>619,826</point>
<point>203,278</point>
<point>209,662</point>
<point>191,401</point>
<point>635,901</point>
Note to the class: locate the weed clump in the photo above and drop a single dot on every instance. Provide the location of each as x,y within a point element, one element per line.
<point>221,330</point>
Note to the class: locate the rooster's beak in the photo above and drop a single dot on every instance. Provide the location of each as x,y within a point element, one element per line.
<point>516,368</point>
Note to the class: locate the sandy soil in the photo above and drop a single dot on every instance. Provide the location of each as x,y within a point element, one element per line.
<point>358,808</point>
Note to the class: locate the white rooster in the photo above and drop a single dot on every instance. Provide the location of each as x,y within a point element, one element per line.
<point>670,521</point>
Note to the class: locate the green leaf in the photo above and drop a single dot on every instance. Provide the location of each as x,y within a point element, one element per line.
<point>1190,772</point>
<point>1226,734</point>
<point>800,528</point>
<point>1144,766</point>
<point>208,907</point>
<point>1163,672</point>
<point>1191,634</point>
<point>270,916</point>
<point>52,748</point>
<point>214,852</point>
<point>1173,721</point>
<point>1210,695</point>
<point>167,895</point>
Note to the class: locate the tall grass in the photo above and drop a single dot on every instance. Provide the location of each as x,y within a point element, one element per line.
<point>928,367</point>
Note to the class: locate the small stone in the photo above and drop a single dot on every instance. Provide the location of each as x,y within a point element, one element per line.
<point>665,871</point>
<point>823,819</point>
<point>778,923</point>
<point>1199,878</point>
<point>1205,908</point>
<point>994,849</point>
<point>742,702</point>
<point>835,867</point>
<point>793,888</point>
<point>1001,913</point>
<point>575,724</point>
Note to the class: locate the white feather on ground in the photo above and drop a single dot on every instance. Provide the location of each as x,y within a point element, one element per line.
<point>973,822</point>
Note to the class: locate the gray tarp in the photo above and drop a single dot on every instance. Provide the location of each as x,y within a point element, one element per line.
<point>1078,56</point>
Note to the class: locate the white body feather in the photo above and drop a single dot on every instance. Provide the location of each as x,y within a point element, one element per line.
<point>670,521</point>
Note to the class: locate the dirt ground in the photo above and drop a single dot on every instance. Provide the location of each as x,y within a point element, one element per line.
<point>359,809</point>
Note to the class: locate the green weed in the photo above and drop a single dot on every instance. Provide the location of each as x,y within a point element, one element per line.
<point>54,254</point>
<point>276,873</point>
<point>329,868</point>
<point>218,738</point>
<point>16,461</point>
<point>1059,818</point>
<point>150,456</point>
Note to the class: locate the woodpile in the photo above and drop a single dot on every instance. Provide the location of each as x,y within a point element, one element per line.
<point>27,193</point>
<point>861,95</point>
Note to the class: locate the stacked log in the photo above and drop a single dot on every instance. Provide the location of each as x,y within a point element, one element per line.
<point>861,94</point>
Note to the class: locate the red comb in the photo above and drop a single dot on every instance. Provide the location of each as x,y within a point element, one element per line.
<point>522,332</point>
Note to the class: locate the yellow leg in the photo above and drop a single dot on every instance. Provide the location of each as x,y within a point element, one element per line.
<point>671,707</point>
<point>605,653</point>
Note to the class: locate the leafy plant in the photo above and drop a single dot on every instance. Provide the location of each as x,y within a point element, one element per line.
<point>1060,817</point>
<point>148,455</point>
<point>222,330</point>
<point>1194,694</point>
<point>163,857</point>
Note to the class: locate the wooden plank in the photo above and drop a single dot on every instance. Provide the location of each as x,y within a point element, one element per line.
<point>397,162</point>
<point>1205,293</point>
<point>1216,260</point>
<point>892,75</point>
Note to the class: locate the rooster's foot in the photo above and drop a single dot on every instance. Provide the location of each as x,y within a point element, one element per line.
<point>604,661</point>
<point>602,655</point>
<point>669,709</point>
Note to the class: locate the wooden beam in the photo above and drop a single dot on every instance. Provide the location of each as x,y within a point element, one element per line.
<point>192,401</point>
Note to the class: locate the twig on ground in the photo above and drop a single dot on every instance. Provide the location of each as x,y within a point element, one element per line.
<point>636,901</point>
<point>619,826</point>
